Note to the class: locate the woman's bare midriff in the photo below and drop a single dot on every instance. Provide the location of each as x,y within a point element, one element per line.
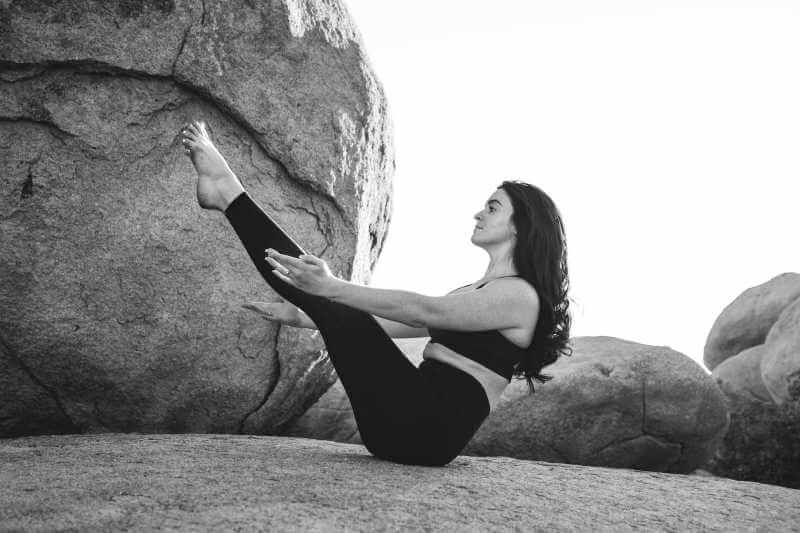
<point>494,384</point>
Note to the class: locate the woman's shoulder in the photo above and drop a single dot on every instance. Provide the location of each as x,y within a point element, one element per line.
<point>521,283</point>
<point>454,291</point>
<point>482,283</point>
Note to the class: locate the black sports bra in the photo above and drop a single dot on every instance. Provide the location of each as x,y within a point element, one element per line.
<point>489,348</point>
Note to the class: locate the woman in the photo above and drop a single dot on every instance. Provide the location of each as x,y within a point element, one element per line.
<point>513,320</point>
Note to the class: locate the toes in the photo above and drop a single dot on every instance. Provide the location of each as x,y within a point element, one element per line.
<point>189,135</point>
<point>193,134</point>
<point>188,132</point>
<point>188,145</point>
<point>202,127</point>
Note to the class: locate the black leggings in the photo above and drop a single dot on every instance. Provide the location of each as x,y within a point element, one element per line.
<point>404,414</point>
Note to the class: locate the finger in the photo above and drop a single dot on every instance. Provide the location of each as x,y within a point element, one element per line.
<point>259,312</point>
<point>284,259</point>
<point>284,278</point>
<point>261,305</point>
<point>272,258</point>
<point>266,312</point>
<point>287,259</point>
<point>283,269</point>
<point>308,258</point>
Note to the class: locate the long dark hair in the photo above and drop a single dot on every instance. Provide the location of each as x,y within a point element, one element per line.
<point>540,257</point>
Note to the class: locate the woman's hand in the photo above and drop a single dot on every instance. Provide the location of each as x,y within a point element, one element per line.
<point>308,273</point>
<point>282,312</point>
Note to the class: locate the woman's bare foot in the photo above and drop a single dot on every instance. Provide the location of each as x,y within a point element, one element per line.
<point>217,185</point>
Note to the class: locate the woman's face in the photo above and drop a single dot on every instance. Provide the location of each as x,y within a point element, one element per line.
<point>493,222</point>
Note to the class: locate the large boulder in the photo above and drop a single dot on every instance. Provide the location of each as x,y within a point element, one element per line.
<point>746,321</point>
<point>119,297</point>
<point>118,482</point>
<point>612,403</point>
<point>761,443</point>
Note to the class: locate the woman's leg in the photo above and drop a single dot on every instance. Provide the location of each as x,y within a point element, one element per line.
<point>386,391</point>
<point>387,394</point>
<point>258,231</point>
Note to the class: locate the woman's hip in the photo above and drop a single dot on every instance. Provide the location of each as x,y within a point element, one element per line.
<point>461,402</point>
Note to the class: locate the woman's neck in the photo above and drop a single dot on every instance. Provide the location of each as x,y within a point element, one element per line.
<point>499,270</point>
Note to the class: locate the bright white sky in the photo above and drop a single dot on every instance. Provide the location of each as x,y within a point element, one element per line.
<point>667,133</point>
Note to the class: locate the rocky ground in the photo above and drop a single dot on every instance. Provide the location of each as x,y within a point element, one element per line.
<point>238,482</point>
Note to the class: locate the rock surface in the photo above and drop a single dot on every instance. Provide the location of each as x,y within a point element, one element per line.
<point>229,482</point>
<point>120,299</point>
<point>746,321</point>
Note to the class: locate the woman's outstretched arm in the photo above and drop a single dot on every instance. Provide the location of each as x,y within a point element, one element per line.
<point>505,303</point>
<point>502,304</point>
<point>291,315</point>
<point>395,330</point>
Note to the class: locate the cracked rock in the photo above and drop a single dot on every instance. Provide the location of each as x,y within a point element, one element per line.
<point>119,295</point>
